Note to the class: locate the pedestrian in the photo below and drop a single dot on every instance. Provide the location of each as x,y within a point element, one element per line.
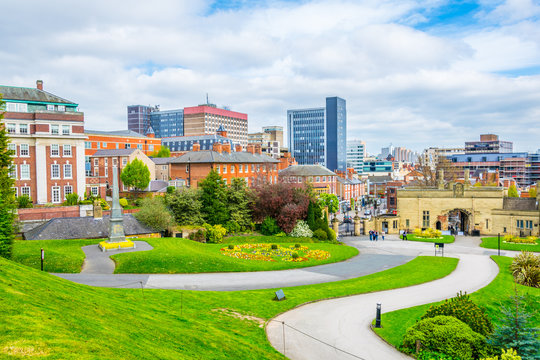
<point>376,235</point>
<point>404,234</point>
<point>370,235</point>
<point>382,234</point>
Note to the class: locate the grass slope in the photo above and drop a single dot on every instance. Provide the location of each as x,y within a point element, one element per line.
<point>51,318</point>
<point>173,255</point>
<point>61,256</point>
<point>491,243</point>
<point>447,239</point>
<point>490,297</point>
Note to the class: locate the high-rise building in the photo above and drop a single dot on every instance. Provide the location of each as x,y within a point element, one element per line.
<point>47,139</point>
<point>319,135</point>
<point>206,119</point>
<point>139,117</point>
<point>275,132</point>
<point>356,152</point>
<point>489,143</point>
<point>167,123</point>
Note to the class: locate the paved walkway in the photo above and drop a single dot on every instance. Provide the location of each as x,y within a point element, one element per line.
<point>345,323</point>
<point>99,262</point>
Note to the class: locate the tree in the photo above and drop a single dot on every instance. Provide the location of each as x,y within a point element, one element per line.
<point>7,195</point>
<point>515,331</point>
<point>512,191</point>
<point>136,174</point>
<point>532,192</point>
<point>431,170</point>
<point>331,201</point>
<point>214,199</point>
<point>154,214</point>
<point>163,152</point>
<point>185,206</point>
<point>311,217</point>
<point>239,200</point>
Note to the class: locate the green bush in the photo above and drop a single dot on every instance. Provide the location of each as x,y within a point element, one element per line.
<point>331,234</point>
<point>297,245</point>
<point>295,255</point>
<point>215,233</point>
<point>230,247</point>
<point>123,202</point>
<point>171,189</point>
<point>199,236</point>
<point>509,354</point>
<point>71,199</point>
<point>155,214</point>
<point>320,235</point>
<point>281,234</point>
<point>232,227</point>
<point>461,307</point>
<point>274,246</point>
<point>24,202</point>
<point>269,226</point>
<point>447,335</point>
<point>433,355</point>
<point>526,269</point>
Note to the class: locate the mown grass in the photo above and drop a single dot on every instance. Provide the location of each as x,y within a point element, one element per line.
<point>51,318</point>
<point>491,297</point>
<point>61,256</point>
<point>174,255</point>
<point>491,243</point>
<point>447,239</point>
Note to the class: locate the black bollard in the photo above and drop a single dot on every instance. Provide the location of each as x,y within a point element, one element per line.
<point>378,318</point>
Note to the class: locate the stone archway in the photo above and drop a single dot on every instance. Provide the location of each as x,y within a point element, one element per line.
<point>438,225</point>
<point>459,220</point>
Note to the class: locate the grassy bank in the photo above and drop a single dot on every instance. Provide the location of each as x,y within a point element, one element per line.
<point>490,297</point>
<point>172,255</point>
<point>51,318</point>
<point>491,243</point>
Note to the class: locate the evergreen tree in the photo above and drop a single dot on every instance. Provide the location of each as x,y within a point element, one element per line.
<point>214,199</point>
<point>512,191</point>
<point>185,206</point>
<point>7,195</point>
<point>311,217</point>
<point>239,200</point>
<point>516,332</point>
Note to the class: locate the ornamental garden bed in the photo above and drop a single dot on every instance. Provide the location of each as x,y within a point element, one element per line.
<point>492,243</point>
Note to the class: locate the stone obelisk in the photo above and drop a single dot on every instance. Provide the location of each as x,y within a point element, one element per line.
<point>116,222</point>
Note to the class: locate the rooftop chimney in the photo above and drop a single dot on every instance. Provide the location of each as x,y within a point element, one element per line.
<point>39,84</point>
<point>250,149</point>
<point>238,148</point>
<point>227,148</point>
<point>258,149</point>
<point>217,147</point>
<point>196,147</point>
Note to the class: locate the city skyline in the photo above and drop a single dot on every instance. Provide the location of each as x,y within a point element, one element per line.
<point>415,74</point>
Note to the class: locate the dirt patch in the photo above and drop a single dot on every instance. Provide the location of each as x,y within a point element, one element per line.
<point>241,316</point>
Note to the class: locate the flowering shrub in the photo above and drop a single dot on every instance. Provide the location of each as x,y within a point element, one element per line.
<point>518,240</point>
<point>273,252</point>
<point>509,354</point>
<point>215,234</point>
<point>128,244</point>
<point>428,233</point>
<point>301,230</point>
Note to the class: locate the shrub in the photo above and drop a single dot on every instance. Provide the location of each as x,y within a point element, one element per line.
<point>274,246</point>
<point>331,234</point>
<point>171,189</point>
<point>461,307</point>
<point>509,354</point>
<point>199,236</point>
<point>433,355</point>
<point>297,245</point>
<point>281,234</point>
<point>71,199</point>
<point>155,214</point>
<point>24,202</point>
<point>269,226</point>
<point>428,233</point>
<point>123,202</point>
<point>526,269</point>
<point>518,240</point>
<point>295,255</point>
<point>232,227</point>
<point>230,247</point>
<point>301,229</point>
<point>320,235</point>
<point>104,204</point>
<point>447,335</point>
<point>215,233</point>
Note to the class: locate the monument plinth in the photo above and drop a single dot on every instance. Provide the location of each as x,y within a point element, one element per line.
<point>117,237</point>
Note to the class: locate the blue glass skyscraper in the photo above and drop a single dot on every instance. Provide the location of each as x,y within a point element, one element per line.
<point>319,135</point>
<point>167,123</point>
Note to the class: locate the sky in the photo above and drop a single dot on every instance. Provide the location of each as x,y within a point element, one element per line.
<point>414,73</point>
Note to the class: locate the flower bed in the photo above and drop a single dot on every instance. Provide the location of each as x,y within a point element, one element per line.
<point>269,252</point>
<point>529,240</point>
<point>105,246</point>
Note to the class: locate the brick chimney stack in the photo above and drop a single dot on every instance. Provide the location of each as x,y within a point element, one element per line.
<point>258,149</point>
<point>250,149</point>
<point>227,148</point>
<point>238,148</point>
<point>217,147</point>
<point>196,147</point>
<point>39,84</point>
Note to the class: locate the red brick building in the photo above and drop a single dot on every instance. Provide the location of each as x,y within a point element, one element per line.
<point>47,139</point>
<point>322,179</point>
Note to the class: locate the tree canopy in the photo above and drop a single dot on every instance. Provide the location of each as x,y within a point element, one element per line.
<point>331,201</point>
<point>185,206</point>
<point>7,195</point>
<point>512,191</point>
<point>214,199</point>
<point>163,152</point>
<point>136,174</point>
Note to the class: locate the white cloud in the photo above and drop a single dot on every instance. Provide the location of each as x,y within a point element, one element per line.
<point>402,85</point>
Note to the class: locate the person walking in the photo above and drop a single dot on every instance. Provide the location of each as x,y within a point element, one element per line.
<point>370,235</point>
<point>376,235</point>
<point>382,234</point>
<point>404,234</point>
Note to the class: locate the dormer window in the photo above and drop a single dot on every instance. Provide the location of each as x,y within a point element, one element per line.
<point>50,107</point>
<point>16,107</point>
<point>61,108</point>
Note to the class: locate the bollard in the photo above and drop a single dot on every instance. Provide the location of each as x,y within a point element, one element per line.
<point>378,317</point>
<point>499,244</point>
<point>42,258</point>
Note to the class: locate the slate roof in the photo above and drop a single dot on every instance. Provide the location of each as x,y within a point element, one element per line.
<point>158,186</point>
<point>379,178</point>
<point>306,170</point>
<point>520,204</point>
<point>129,133</point>
<point>31,94</point>
<point>210,156</point>
<point>195,138</point>
<point>162,161</point>
<point>113,152</point>
<point>83,228</point>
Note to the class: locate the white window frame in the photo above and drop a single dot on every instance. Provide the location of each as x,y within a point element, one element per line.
<point>55,129</point>
<point>50,107</point>
<point>11,128</point>
<point>68,171</point>
<point>94,190</point>
<point>13,147</point>
<point>66,150</point>
<point>25,190</point>
<point>53,171</point>
<point>96,162</point>
<point>55,190</point>
<point>68,190</point>
<point>25,172</point>
<point>13,171</point>
<point>61,107</point>
<point>96,171</point>
<point>106,172</point>
<point>55,150</point>
<point>25,127</point>
<point>124,161</point>
<point>24,150</point>
<point>66,130</point>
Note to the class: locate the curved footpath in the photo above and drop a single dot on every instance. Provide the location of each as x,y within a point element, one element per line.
<point>98,271</point>
<point>344,323</point>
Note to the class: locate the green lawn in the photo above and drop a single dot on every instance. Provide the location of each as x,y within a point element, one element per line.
<point>490,297</point>
<point>174,255</point>
<point>447,239</point>
<point>491,243</point>
<point>61,256</point>
<point>51,318</point>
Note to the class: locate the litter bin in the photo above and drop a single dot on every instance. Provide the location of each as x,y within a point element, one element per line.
<point>475,233</point>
